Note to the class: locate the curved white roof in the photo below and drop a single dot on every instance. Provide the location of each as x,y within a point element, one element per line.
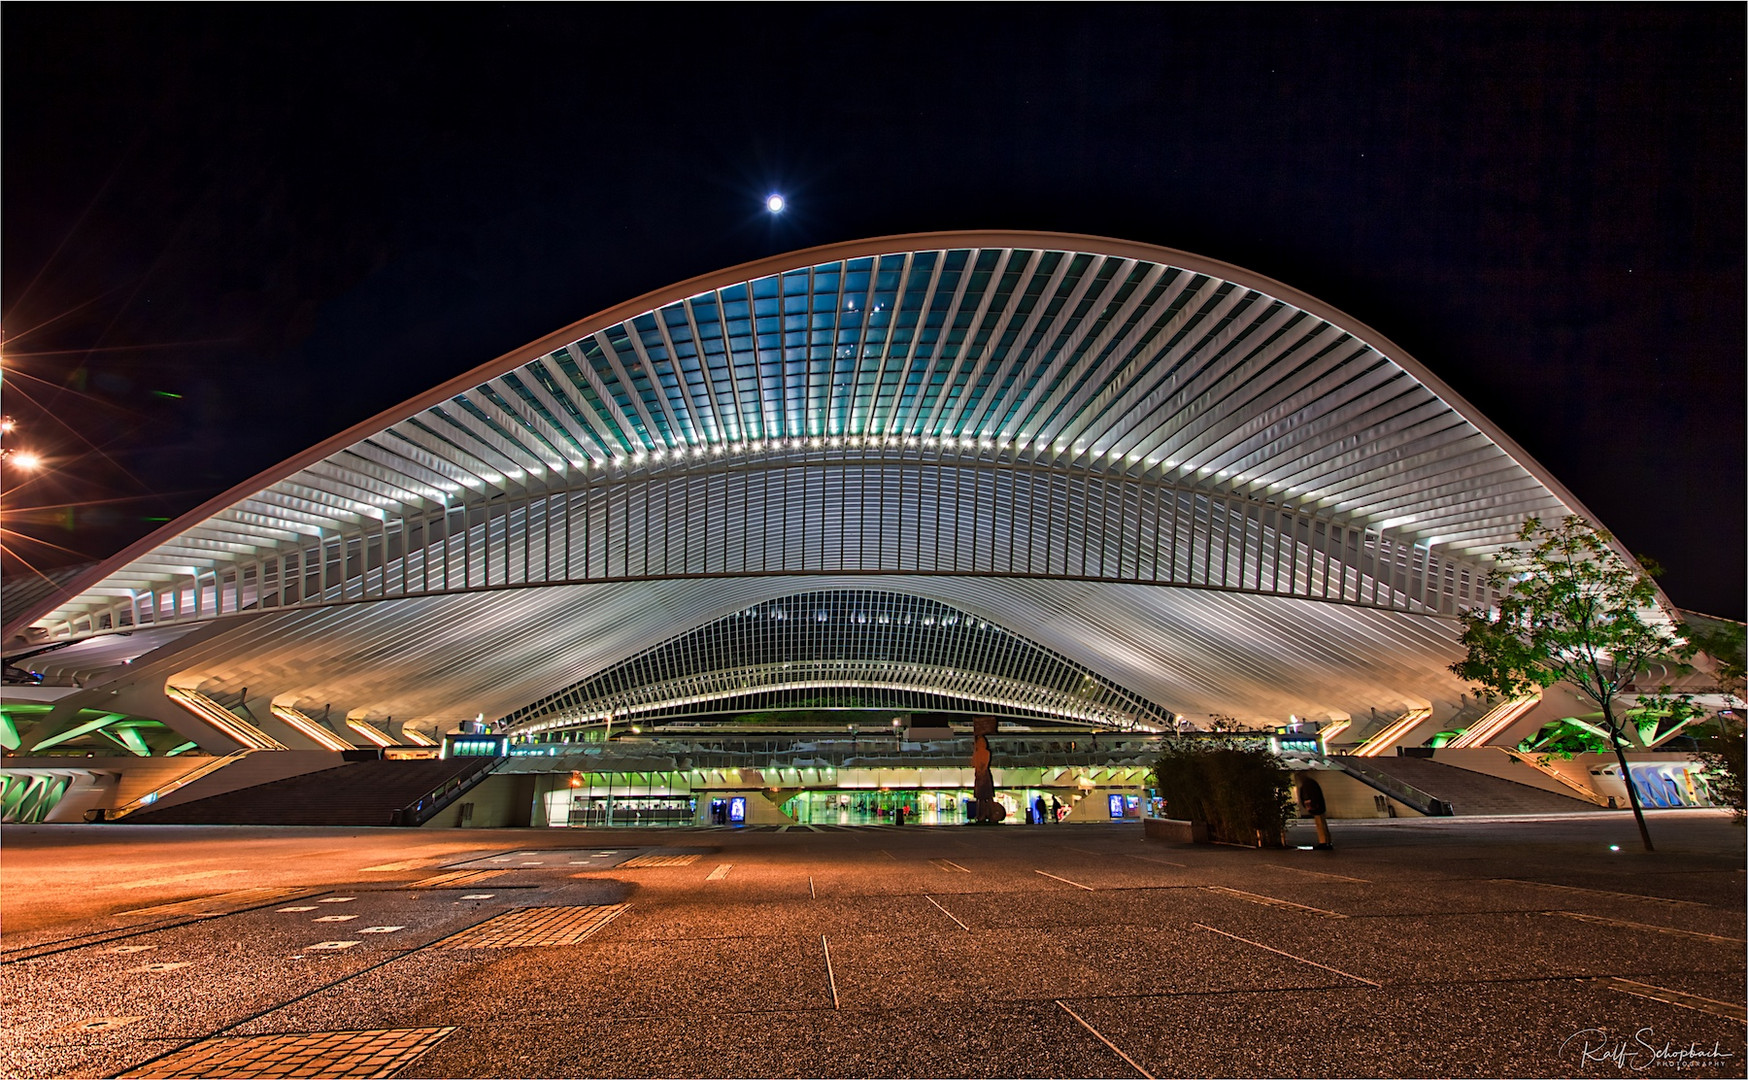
<point>1208,487</point>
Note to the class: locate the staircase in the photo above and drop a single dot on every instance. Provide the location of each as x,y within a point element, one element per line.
<point>1470,793</point>
<point>358,793</point>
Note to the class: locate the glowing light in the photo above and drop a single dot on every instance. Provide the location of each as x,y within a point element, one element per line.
<point>776,203</point>
<point>26,459</point>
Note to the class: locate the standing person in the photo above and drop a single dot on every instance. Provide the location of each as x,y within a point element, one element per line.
<point>1312,801</point>
<point>1038,809</point>
<point>1055,811</point>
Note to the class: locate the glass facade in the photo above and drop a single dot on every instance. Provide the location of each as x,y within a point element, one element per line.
<point>845,649</point>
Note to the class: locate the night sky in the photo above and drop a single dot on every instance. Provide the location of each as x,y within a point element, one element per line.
<point>232,231</point>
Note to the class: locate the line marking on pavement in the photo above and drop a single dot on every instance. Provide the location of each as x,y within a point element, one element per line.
<point>131,948</point>
<point>889,854</point>
<point>949,865</point>
<point>1625,925</point>
<point>391,867</point>
<point>830,979</point>
<point>153,969</point>
<point>337,900</point>
<point>1597,892</point>
<point>299,907</point>
<point>333,946</point>
<point>1152,858</point>
<point>945,912</point>
<point>1273,901</point>
<point>1322,873</point>
<point>810,893</point>
<point>1114,1048</point>
<point>1288,955</point>
<point>1065,881</point>
<point>379,929</point>
<point>335,918</point>
<point>1676,997</point>
<point>720,872</point>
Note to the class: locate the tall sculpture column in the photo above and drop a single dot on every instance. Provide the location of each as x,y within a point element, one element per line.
<point>989,812</point>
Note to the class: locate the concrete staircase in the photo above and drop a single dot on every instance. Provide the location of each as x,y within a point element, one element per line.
<point>1471,793</point>
<point>358,793</point>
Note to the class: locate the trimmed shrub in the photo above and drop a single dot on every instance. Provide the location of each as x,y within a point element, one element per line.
<point>1244,794</point>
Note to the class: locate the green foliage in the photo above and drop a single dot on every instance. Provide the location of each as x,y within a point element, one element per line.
<point>1724,753</point>
<point>1723,641</point>
<point>1564,740</point>
<point>1242,793</point>
<point>1569,609</point>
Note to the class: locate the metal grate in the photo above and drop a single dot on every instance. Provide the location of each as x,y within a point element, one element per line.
<point>221,904</point>
<point>455,879</point>
<point>658,860</point>
<point>536,926</point>
<point>314,1054</point>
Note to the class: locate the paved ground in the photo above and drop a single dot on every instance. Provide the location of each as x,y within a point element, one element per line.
<point>1418,948</point>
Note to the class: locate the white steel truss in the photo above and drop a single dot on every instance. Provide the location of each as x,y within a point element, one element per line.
<point>953,408</point>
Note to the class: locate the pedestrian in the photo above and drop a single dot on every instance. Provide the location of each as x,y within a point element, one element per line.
<point>898,814</point>
<point>1315,807</point>
<point>1038,809</point>
<point>1055,811</point>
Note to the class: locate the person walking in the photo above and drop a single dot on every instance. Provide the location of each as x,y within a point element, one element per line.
<point>1312,802</point>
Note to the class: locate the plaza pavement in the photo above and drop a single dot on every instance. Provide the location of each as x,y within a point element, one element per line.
<point>1449,947</point>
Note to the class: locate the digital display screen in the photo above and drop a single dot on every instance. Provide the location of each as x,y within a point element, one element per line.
<point>1116,806</point>
<point>737,809</point>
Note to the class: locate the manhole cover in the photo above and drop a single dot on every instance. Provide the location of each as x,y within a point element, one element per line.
<point>319,1053</point>
<point>536,926</point>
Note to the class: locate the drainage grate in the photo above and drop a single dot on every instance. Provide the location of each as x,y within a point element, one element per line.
<point>222,904</point>
<point>536,926</point>
<point>318,1053</point>
<point>658,860</point>
<point>455,879</point>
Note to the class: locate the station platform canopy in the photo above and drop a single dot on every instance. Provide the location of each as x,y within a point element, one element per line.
<point>1202,492</point>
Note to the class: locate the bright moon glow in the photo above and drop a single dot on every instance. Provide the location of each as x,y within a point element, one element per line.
<point>775,203</point>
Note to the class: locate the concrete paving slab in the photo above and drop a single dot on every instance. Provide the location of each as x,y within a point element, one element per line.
<point>1474,1029</point>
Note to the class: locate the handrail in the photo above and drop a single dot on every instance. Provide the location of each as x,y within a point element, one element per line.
<point>1430,805</point>
<point>184,780</point>
<point>428,805</point>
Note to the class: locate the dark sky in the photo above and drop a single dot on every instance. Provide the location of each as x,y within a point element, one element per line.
<point>292,217</point>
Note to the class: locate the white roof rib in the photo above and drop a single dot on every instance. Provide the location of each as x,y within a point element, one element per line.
<point>977,412</point>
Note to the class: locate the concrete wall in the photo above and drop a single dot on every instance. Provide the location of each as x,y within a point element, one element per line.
<point>1495,762</point>
<point>1349,798</point>
<point>498,802</point>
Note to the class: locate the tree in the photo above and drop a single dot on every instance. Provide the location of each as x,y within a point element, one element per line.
<point>1569,609</point>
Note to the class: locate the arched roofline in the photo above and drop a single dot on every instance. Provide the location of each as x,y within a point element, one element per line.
<point>824,253</point>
